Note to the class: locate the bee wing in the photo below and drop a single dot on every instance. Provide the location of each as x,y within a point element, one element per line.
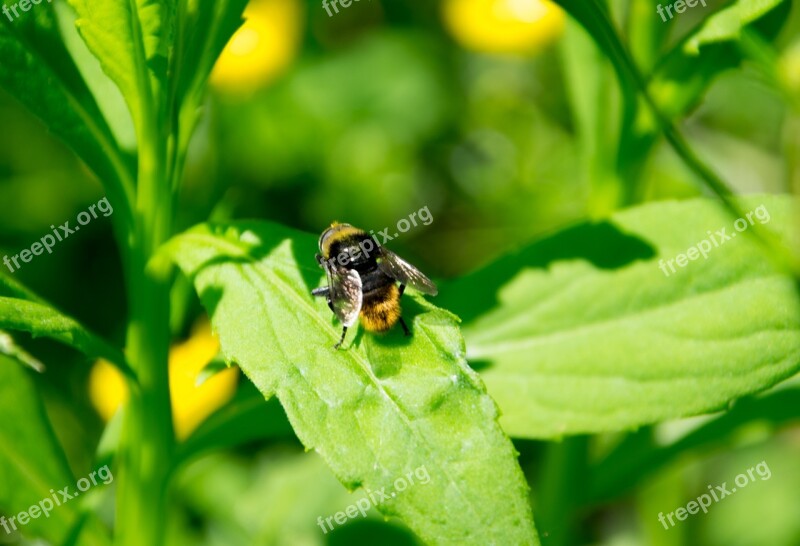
<point>399,269</point>
<point>345,293</point>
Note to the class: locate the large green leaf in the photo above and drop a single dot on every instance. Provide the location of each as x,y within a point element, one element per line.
<point>583,332</point>
<point>32,464</point>
<point>382,408</point>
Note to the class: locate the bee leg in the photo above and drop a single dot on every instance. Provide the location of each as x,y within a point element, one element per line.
<point>325,292</point>
<point>405,328</point>
<point>402,322</point>
<point>341,340</point>
<point>321,291</point>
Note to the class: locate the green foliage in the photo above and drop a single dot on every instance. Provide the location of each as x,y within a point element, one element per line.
<point>585,333</point>
<point>652,101</point>
<point>579,332</point>
<point>28,313</point>
<point>43,321</point>
<point>39,72</point>
<point>31,462</point>
<point>375,411</point>
<point>131,41</point>
<point>727,24</point>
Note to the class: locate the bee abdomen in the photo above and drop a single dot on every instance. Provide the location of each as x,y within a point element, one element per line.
<point>381,308</point>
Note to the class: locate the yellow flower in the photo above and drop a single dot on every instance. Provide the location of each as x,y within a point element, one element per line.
<point>789,69</point>
<point>262,48</point>
<point>107,389</point>
<point>191,404</point>
<point>504,26</point>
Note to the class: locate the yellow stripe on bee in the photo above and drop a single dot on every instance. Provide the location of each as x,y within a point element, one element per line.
<point>342,231</point>
<point>382,314</point>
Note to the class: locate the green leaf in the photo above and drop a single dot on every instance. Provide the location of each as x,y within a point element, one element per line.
<point>647,115</point>
<point>376,411</point>
<point>43,321</point>
<point>593,15</point>
<point>726,24</point>
<point>11,287</point>
<point>205,32</point>
<point>686,71</point>
<point>32,464</point>
<point>583,332</point>
<point>109,99</point>
<point>38,71</point>
<point>131,39</point>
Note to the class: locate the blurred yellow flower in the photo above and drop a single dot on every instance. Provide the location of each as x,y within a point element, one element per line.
<point>789,69</point>
<point>504,26</point>
<point>107,389</point>
<point>262,48</point>
<point>191,404</point>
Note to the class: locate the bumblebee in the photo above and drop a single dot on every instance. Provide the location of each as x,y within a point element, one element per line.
<point>362,279</point>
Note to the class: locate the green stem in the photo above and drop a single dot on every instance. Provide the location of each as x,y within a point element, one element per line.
<point>561,491</point>
<point>147,442</point>
<point>148,438</point>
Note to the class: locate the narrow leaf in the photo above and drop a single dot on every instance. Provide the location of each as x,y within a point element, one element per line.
<point>131,39</point>
<point>727,24</point>
<point>206,31</point>
<point>43,321</point>
<point>38,71</point>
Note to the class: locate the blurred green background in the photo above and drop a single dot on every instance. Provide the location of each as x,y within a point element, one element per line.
<point>468,107</point>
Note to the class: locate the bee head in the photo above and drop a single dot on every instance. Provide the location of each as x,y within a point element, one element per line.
<point>329,235</point>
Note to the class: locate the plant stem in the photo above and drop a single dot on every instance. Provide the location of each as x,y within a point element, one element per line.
<point>563,482</point>
<point>147,441</point>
